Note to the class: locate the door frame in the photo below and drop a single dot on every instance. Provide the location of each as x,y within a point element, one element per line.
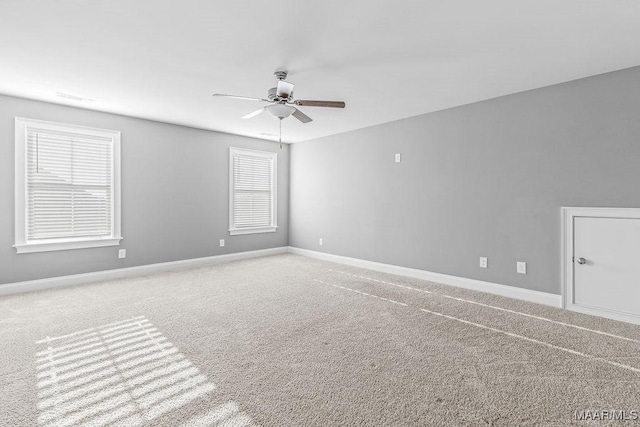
<point>567,248</point>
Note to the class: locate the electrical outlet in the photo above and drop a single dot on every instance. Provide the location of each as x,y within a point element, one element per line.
<point>484,263</point>
<point>398,158</point>
<point>320,242</point>
<point>521,267</point>
<point>222,243</point>
<point>122,253</point>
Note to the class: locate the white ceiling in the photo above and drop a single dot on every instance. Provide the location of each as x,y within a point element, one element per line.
<point>162,59</point>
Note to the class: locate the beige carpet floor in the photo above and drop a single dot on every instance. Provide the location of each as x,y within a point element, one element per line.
<point>292,341</point>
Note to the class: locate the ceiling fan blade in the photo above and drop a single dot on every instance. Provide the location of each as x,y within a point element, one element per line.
<point>255,113</point>
<point>285,89</point>
<point>301,116</point>
<point>247,98</point>
<point>308,103</point>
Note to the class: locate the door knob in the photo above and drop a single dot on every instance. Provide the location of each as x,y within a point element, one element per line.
<point>582,261</point>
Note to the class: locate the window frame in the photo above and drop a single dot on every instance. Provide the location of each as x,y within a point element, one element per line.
<point>234,151</point>
<point>22,244</point>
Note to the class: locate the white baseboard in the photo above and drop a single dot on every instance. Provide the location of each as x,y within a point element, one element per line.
<point>99,276</point>
<point>461,282</point>
<point>601,312</point>
<point>119,273</point>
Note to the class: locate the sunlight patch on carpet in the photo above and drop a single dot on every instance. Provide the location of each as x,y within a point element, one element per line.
<point>124,373</point>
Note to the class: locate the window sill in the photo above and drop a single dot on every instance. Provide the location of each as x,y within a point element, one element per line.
<point>234,231</point>
<point>63,245</point>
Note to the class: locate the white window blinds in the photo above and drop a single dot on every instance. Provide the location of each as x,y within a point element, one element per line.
<point>252,191</point>
<point>70,182</point>
<point>69,185</point>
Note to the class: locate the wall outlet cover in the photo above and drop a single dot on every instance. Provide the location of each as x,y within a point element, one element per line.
<point>398,157</point>
<point>320,242</point>
<point>521,267</point>
<point>222,243</point>
<point>122,253</point>
<point>484,263</point>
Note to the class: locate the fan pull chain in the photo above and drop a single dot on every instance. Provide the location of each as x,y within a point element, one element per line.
<point>281,133</point>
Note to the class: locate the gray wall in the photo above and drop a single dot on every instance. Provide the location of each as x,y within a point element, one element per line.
<point>175,194</point>
<point>486,179</point>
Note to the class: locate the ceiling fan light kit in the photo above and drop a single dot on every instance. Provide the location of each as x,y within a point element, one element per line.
<point>281,111</point>
<point>282,102</point>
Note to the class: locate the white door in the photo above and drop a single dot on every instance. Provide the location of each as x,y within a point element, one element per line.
<point>606,266</point>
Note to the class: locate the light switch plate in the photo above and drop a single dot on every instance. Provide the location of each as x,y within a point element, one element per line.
<point>521,267</point>
<point>122,253</point>
<point>484,263</point>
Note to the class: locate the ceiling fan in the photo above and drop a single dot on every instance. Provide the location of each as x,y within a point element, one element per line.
<point>282,102</point>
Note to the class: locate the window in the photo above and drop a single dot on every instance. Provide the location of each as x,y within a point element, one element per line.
<point>252,191</point>
<point>67,186</point>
